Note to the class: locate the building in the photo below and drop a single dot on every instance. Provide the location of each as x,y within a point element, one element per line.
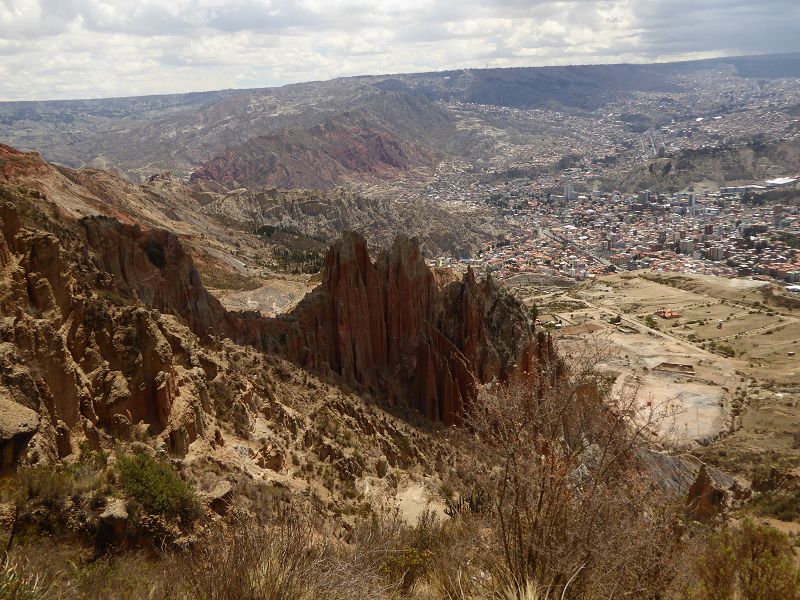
<point>777,215</point>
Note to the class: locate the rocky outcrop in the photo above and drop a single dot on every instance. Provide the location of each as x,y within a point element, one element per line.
<point>389,327</point>
<point>76,364</point>
<point>707,491</point>
<point>152,266</point>
<point>18,423</point>
<point>112,528</point>
<point>705,499</point>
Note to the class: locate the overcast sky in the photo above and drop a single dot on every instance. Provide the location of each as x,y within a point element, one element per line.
<point>94,48</point>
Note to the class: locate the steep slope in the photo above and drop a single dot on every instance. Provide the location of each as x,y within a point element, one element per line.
<point>396,327</point>
<point>388,327</point>
<point>392,326</point>
<point>382,136</point>
<point>85,367</point>
<point>321,157</point>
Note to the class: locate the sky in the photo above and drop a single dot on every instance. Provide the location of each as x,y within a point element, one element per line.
<point>57,49</point>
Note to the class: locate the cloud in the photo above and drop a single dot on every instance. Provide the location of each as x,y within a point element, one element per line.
<point>92,48</point>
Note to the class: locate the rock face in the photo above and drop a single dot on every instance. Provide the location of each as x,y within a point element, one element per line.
<point>71,363</point>
<point>705,498</point>
<point>152,266</point>
<point>18,423</point>
<point>113,525</point>
<point>390,327</point>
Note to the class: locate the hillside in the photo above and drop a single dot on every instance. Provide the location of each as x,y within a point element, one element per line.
<point>325,215</point>
<point>744,163</point>
<point>322,157</point>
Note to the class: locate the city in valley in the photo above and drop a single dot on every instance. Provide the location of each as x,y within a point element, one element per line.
<point>696,291</point>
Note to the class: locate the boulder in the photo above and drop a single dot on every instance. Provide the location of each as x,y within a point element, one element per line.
<point>113,525</point>
<point>219,499</point>
<point>17,426</point>
<point>705,499</point>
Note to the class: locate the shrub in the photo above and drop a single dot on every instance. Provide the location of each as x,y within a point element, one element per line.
<point>406,565</point>
<point>155,484</point>
<point>726,350</point>
<point>569,512</point>
<point>753,562</point>
<point>281,561</point>
<point>47,483</point>
<point>782,505</point>
<point>52,484</point>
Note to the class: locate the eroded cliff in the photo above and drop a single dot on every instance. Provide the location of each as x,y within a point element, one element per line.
<point>391,327</point>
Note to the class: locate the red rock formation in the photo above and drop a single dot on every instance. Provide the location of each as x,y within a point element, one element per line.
<point>320,157</point>
<point>14,162</point>
<point>70,361</point>
<point>705,499</point>
<point>153,266</point>
<point>389,326</point>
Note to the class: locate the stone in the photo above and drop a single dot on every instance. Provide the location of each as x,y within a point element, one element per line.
<point>219,498</point>
<point>270,457</point>
<point>113,525</point>
<point>705,499</point>
<point>17,426</point>
<point>381,467</point>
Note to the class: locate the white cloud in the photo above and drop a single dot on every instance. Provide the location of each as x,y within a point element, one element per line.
<point>91,48</point>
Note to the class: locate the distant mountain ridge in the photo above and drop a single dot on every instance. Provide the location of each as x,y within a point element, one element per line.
<point>180,132</point>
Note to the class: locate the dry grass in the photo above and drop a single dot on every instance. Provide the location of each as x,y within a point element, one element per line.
<point>283,561</point>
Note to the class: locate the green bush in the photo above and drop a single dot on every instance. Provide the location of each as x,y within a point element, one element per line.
<point>782,505</point>
<point>155,484</point>
<point>726,350</point>
<point>751,562</point>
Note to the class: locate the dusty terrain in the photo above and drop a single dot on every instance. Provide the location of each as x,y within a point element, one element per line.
<point>725,365</point>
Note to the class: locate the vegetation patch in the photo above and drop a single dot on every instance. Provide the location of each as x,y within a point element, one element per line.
<point>155,484</point>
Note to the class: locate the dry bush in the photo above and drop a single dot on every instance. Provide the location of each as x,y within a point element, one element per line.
<point>71,571</point>
<point>19,582</point>
<point>53,484</point>
<point>283,561</point>
<point>467,564</point>
<point>571,510</point>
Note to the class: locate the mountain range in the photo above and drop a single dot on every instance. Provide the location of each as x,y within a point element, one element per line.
<point>183,132</point>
